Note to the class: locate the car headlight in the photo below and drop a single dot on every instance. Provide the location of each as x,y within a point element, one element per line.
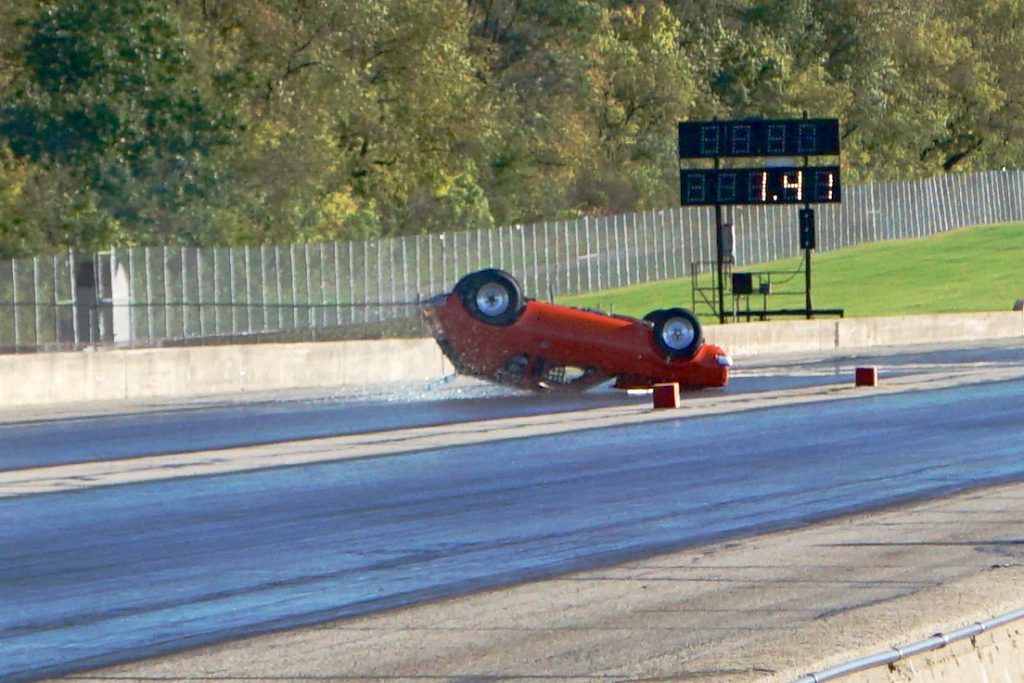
<point>724,361</point>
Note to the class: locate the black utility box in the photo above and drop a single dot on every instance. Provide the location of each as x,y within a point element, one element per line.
<point>742,283</point>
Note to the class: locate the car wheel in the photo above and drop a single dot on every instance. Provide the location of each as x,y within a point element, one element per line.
<point>654,315</point>
<point>677,332</point>
<point>491,296</point>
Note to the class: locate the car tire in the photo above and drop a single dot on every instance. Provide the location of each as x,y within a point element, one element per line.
<point>491,296</point>
<point>677,332</point>
<point>654,315</point>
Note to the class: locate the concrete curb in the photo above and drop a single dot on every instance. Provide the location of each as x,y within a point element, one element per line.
<point>52,378</point>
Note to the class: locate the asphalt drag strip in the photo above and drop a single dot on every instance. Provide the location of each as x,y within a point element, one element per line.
<point>767,609</point>
<point>87,475</point>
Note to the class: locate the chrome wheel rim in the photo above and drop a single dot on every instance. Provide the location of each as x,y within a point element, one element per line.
<point>492,299</point>
<point>678,333</point>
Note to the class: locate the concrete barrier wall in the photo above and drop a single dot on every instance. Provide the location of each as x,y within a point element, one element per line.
<point>747,339</point>
<point>751,339</point>
<point>995,656</point>
<point>46,378</point>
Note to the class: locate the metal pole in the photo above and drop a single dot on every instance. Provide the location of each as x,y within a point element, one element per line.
<point>547,260</point>
<point>56,301</point>
<point>807,285</point>
<point>430,262</point>
<point>264,285</point>
<point>167,292</point>
<point>379,243</point>
<point>36,297</point>
<point>417,278</point>
<point>444,262</point>
<point>185,313</point>
<point>74,298</point>
<point>455,255</point>
<point>619,258</point>
<point>311,320</point>
<point>352,280</point>
<point>149,291</point>
<point>586,238</point>
<point>322,250</point>
<point>490,248</point>
<point>807,274</point>
<point>574,263</point>
<point>14,300</point>
<point>248,290</point>
<point>278,291</point>
<point>337,286</point>
<point>895,654</point>
<point>292,261</point>
<point>647,249</point>
<point>719,228</point>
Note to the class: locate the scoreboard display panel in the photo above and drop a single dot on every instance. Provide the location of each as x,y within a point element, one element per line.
<point>758,138</point>
<point>774,185</point>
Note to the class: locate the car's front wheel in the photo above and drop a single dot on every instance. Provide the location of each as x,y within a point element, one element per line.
<point>677,332</point>
<point>491,296</point>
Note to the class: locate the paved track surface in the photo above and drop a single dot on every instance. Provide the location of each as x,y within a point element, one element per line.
<point>763,609</point>
<point>111,573</point>
<point>36,437</point>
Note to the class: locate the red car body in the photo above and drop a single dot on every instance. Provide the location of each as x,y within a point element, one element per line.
<point>535,345</point>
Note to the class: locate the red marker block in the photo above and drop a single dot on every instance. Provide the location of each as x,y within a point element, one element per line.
<point>666,395</point>
<point>866,377</point>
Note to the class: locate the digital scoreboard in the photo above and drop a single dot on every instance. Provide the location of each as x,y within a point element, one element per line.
<point>777,182</point>
<point>765,138</point>
<point>758,138</point>
<point>771,185</point>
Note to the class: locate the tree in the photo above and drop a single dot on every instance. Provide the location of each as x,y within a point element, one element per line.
<point>107,93</point>
<point>373,105</point>
<point>984,81</point>
<point>247,121</point>
<point>641,84</point>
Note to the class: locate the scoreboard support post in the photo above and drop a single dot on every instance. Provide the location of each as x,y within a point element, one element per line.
<point>720,257</point>
<point>808,306</point>
<point>720,261</point>
<point>807,242</point>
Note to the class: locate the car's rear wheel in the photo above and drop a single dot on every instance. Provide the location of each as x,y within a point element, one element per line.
<point>653,316</point>
<point>677,332</point>
<point>491,296</point>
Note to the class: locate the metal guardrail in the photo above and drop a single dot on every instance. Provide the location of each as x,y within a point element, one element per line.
<point>893,655</point>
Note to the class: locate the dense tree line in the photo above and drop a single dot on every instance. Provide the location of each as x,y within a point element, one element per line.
<point>251,121</point>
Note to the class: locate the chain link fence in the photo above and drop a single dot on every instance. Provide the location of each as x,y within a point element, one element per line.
<point>149,296</point>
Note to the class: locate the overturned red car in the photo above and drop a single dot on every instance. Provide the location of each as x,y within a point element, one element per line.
<point>488,329</point>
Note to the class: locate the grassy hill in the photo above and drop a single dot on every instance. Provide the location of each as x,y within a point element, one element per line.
<point>978,268</point>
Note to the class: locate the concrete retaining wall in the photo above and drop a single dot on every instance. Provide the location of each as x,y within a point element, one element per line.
<point>747,339</point>
<point>35,379</point>
<point>990,657</point>
<point>47,378</point>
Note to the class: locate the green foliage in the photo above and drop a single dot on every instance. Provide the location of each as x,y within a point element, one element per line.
<point>106,103</point>
<point>254,121</point>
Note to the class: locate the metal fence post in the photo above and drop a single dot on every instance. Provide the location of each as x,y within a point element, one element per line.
<point>37,330</point>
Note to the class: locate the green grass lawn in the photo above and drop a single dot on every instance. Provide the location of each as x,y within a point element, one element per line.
<point>967,270</point>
